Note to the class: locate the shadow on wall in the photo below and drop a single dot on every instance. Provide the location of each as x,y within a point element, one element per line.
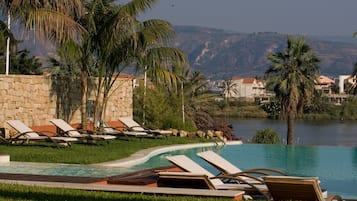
<point>67,90</point>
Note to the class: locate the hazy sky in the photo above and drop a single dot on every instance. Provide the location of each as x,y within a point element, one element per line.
<point>312,17</point>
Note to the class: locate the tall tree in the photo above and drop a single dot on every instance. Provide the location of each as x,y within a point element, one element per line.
<point>101,28</point>
<point>121,40</point>
<point>291,77</point>
<point>56,20</point>
<point>229,88</point>
<point>155,57</point>
<point>198,97</point>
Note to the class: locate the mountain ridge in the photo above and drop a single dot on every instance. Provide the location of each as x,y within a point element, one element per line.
<point>221,54</point>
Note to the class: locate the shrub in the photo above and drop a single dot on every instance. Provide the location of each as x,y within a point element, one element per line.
<point>225,127</point>
<point>266,136</point>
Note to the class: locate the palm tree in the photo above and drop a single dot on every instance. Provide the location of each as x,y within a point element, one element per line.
<point>56,20</point>
<point>101,29</point>
<point>155,57</point>
<point>292,77</point>
<point>7,40</point>
<point>197,99</point>
<point>120,40</point>
<point>229,89</point>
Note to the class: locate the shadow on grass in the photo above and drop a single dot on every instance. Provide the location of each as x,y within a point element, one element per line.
<point>77,195</point>
<point>7,194</point>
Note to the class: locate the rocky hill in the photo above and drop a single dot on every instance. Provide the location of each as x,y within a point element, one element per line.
<point>221,54</point>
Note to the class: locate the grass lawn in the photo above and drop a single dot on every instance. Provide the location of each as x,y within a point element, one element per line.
<point>11,192</point>
<point>87,153</point>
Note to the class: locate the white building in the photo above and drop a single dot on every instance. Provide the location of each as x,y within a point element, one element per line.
<point>250,89</point>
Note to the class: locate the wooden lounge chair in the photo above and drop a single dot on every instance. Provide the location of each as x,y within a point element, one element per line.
<point>26,134</point>
<point>296,188</point>
<point>226,167</point>
<point>69,131</point>
<point>132,125</point>
<point>195,176</point>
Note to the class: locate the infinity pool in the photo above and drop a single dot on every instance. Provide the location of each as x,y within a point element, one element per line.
<point>335,166</point>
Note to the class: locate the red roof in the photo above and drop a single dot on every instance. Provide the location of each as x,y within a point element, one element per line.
<point>248,80</point>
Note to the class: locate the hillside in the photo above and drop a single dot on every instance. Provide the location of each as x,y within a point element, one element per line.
<point>221,54</point>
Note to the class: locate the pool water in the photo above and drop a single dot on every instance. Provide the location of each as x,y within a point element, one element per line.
<point>335,166</point>
<point>63,169</point>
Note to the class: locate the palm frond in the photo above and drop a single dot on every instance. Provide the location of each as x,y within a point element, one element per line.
<point>55,25</point>
<point>136,7</point>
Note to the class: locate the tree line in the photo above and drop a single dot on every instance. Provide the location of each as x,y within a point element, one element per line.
<point>102,38</point>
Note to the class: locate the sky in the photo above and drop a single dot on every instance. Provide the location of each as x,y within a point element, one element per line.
<point>307,17</point>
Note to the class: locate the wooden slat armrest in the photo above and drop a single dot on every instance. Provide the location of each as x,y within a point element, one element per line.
<point>238,179</point>
<point>268,170</point>
<point>334,197</point>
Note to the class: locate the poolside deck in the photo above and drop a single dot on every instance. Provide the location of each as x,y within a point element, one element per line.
<point>144,182</point>
<point>139,182</point>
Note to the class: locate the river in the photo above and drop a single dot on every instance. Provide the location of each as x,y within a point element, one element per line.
<point>307,132</point>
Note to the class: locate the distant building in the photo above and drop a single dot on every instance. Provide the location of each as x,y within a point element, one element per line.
<point>324,84</point>
<point>249,89</point>
<point>343,80</point>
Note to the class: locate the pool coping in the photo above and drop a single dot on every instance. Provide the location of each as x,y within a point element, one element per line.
<point>145,154</point>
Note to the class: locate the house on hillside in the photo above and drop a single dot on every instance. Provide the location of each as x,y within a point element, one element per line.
<point>324,84</point>
<point>249,89</point>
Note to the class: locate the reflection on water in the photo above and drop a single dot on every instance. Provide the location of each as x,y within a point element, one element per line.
<point>307,132</point>
<point>292,159</point>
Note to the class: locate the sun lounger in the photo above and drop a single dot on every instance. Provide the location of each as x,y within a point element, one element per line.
<point>227,167</point>
<point>26,134</point>
<point>296,188</point>
<point>132,125</point>
<point>69,131</point>
<point>108,130</point>
<point>195,176</point>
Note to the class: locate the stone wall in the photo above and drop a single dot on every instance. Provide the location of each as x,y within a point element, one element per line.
<point>33,100</point>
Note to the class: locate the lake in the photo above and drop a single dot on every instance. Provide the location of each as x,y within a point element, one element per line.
<point>307,132</point>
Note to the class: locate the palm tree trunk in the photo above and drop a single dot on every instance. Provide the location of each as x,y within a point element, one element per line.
<point>84,83</point>
<point>290,132</point>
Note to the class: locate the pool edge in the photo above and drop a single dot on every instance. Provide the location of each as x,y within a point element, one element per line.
<point>145,154</point>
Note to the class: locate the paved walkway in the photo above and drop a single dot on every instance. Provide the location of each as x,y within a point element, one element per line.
<point>133,189</point>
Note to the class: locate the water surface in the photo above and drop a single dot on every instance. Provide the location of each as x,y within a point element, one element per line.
<point>307,132</point>
<point>335,166</point>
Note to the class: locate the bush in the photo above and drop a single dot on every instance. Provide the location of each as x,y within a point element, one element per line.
<point>266,136</point>
<point>222,125</point>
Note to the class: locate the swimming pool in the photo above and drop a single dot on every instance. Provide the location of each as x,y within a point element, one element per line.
<point>335,166</point>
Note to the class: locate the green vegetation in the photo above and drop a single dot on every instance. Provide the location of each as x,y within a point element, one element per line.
<point>20,60</point>
<point>88,153</point>
<point>237,109</point>
<point>266,136</point>
<point>183,108</point>
<point>32,193</point>
<point>292,77</point>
